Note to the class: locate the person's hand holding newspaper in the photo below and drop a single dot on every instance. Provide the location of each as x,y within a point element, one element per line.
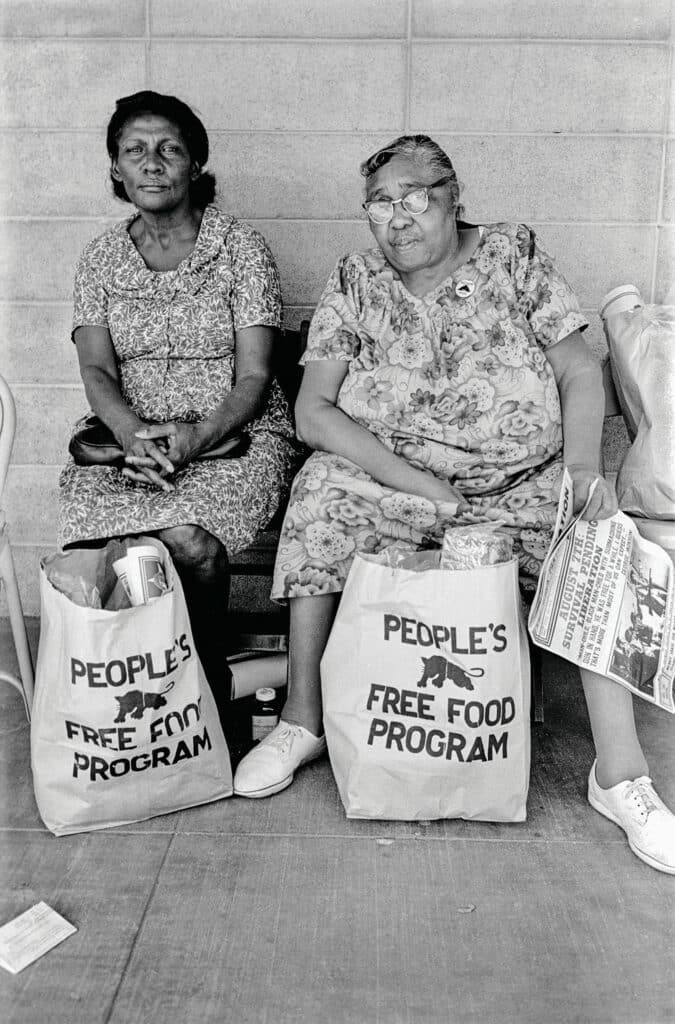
<point>601,499</point>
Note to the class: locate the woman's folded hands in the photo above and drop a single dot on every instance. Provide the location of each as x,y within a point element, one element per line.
<point>159,450</point>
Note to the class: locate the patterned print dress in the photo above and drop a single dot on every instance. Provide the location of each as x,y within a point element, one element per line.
<point>457,383</point>
<point>174,337</point>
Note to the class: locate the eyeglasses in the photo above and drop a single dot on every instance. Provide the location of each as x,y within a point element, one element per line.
<point>414,202</point>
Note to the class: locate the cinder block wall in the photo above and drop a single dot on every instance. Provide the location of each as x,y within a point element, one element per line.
<point>555,112</point>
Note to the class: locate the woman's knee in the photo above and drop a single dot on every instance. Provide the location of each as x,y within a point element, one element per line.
<point>192,547</point>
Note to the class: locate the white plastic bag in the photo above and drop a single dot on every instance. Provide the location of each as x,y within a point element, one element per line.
<point>124,726</point>
<point>426,690</point>
<point>641,341</point>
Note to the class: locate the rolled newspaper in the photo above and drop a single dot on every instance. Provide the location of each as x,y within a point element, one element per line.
<point>250,674</point>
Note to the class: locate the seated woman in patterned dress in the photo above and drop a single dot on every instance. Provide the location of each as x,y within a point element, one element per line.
<point>176,311</point>
<point>446,381</point>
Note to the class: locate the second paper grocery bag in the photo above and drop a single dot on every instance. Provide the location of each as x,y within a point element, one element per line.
<point>124,725</point>
<point>426,689</point>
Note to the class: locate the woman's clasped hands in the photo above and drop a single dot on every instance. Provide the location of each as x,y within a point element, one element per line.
<point>157,451</point>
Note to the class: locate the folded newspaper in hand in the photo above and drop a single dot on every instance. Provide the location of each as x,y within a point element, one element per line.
<point>605,602</point>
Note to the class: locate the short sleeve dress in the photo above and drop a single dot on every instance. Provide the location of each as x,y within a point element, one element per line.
<point>456,382</point>
<point>174,336</point>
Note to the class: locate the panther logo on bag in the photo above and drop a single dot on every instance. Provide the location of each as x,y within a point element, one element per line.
<point>437,669</point>
<point>135,702</point>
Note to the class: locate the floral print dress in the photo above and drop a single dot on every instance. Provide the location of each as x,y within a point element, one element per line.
<point>457,383</point>
<point>174,338</point>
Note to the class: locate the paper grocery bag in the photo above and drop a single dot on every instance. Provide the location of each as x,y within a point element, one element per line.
<point>426,690</point>
<point>124,726</point>
<point>641,342</point>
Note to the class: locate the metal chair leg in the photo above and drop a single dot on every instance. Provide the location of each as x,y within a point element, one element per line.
<point>7,677</point>
<point>7,571</point>
<point>18,625</point>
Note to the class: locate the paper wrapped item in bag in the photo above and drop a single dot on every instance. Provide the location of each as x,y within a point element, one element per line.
<point>641,342</point>
<point>85,575</point>
<point>468,547</point>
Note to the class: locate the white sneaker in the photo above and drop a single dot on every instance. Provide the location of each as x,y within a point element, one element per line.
<point>636,807</point>
<point>270,766</point>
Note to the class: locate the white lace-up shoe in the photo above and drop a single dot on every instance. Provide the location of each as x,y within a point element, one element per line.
<point>270,766</point>
<point>636,807</point>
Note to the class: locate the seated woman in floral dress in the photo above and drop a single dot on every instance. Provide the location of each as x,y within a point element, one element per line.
<point>446,381</point>
<point>176,311</point>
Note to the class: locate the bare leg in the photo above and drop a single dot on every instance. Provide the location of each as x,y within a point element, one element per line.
<point>610,709</point>
<point>297,739</point>
<point>202,564</point>
<point>311,619</point>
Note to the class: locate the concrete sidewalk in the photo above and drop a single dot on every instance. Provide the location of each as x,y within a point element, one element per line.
<point>282,910</point>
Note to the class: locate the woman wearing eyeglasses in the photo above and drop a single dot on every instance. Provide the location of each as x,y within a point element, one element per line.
<point>445,382</point>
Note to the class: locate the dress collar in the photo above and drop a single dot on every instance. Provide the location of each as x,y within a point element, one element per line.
<point>461,282</point>
<point>136,276</point>
<point>208,243</point>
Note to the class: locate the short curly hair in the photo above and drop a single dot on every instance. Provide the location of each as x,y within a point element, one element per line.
<point>421,148</point>
<point>203,188</point>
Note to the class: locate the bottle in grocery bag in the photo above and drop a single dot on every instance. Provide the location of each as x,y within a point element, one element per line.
<point>265,713</point>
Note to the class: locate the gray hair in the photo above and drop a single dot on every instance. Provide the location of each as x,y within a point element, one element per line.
<point>420,148</point>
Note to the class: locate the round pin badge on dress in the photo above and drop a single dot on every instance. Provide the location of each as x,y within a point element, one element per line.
<point>464,288</point>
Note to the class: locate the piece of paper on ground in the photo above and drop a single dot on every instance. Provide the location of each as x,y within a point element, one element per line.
<point>31,935</point>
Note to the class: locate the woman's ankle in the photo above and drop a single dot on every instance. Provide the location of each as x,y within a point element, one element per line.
<point>309,718</point>
<point>610,772</point>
